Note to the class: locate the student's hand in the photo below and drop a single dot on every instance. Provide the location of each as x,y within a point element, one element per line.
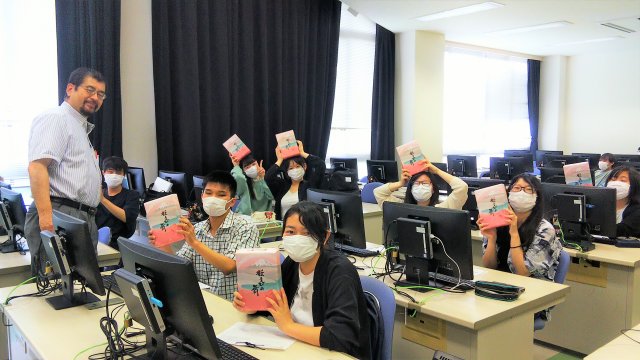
<point>404,178</point>
<point>46,222</point>
<point>239,304</point>
<point>490,234</point>
<point>429,166</point>
<point>279,157</point>
<point>187,229</point>
<point>513,221</point>
<point>234,161</point>
<point>301,147</point>
<point>261,171</point>
<point>280,310</point>
<point>152,238</point>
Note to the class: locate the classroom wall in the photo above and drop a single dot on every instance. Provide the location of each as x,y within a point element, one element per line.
<point>552,102</point>
<point>136,77</point>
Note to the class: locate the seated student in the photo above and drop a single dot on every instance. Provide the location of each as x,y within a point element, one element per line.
<point>626,181</point>
<point>322,302</point>
<point>605,165</point>
<point>253,191</point>
<point>300,173</point>
<point>119,207</point>
<point>423,190</point>
<point>211,244</point>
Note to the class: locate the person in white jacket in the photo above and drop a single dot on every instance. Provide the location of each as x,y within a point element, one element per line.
<point>423,190</point>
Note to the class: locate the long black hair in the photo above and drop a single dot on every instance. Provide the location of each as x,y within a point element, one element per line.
<point>312,217</point>
<point>435,192</point>
<point>528,229</point>
<point>244,162</point>
<point>634,181</point>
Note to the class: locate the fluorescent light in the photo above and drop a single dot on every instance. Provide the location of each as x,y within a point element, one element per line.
<point>550,25</point>
<point>590,41</point>
<point>461,11</point>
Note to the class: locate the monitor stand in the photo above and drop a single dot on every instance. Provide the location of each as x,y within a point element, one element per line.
<point>578,233</point>
<point>417,275</point>
<point>68,299</point>
<point>12,245</point>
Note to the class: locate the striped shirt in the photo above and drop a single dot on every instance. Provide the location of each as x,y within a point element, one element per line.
<point>61,134</point>
<point>236,232</point>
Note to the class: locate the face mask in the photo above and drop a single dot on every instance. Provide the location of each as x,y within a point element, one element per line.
<point>603,165</point>
<point>522,202</point>
<point>214,206</point>
<point>421,192</point>
<point>113,180</point>
<point>300,247</point>
<point>252,172</point>
<point>296,174</point>
<point>622,188</point>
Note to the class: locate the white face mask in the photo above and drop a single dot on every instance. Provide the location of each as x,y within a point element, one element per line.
<point>622,188</point>
<point>300,247</point>
<point>603,165</point>
<point>421,192</point>
<point>113,180</point>
<point>252,172</point>
<point>214,206</point>
<point>522,202</point>
<point>296,174</point>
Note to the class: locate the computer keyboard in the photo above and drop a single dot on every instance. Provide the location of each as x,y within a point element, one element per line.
<point>232,353</point>
<point>355,251</point>
<point>603,240</point>
<point>453,281</point>
<point>110,280</point>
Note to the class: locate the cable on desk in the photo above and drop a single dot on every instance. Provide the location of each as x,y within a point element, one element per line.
<point>624,332</point>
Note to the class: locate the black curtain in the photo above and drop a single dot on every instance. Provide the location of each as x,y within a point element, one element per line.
<point>533,99</point>
<point>382,109</point>
<point>250,67</point>
<point>88,34</point>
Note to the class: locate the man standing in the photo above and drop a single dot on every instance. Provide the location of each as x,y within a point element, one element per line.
<point>63,167</point>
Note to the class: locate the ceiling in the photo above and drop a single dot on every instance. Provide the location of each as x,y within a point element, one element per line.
<point>585,34</point>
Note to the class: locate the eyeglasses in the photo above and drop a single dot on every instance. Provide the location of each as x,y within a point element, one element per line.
<point>92,91</point>
<point>421,183</point>
<point>527,189</point>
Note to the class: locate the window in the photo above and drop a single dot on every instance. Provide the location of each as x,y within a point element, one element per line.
<point>351,124</point>
<point>485,104</point>
<point>29,73</point>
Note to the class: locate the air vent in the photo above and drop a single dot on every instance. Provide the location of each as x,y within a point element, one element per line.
<point>618,27</point>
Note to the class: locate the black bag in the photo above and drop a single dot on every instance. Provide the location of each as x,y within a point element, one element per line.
<point>376,326</point>
<point>341,179</point>
<point>151,195</point>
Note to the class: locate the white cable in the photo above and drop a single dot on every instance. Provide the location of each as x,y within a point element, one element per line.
<point>450,258</point>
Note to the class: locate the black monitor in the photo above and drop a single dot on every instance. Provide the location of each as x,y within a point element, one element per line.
<point>582,211</point>
<point>344,211</point>
<point>198,188</point>
<point>552,175</point>
<point>135,177</point>
<point>12,217</point>
<point>621,158</point>
<point>541,153</point>
<point>347,163</point>
<point>526,154</point>
<point>462,165</point>
<point>443,186</point>
<point>506,168</point>
<point>180,186</point>
<point>450,226</point>
<point>592,159</point>
<point>383,171</point>
<point>633,164</point>
<point>173,281</point>
<point>471,205</point>
<point>71,251</point>
<point>558,161</point>
<point>5,185</point>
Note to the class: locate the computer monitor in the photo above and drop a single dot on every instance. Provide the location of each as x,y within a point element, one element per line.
<point>582,211</point>
<point>180,186</point>
<point>347,163</point>
<point>443,186</point>
<point>383,171</point>
<point>136,180</point>
<point>526,154</point>
<point>462,165</point>
<point>506,168</point>
<point>450,226</point>
<point>74,257</point>
<point>558,161</point>
<point>633,164</point>
<point>198,188</point>
<point>12,217</point>
<point>471,205</point>
<point>344,212</point>
<point>541,153</point>
<point>5,185</point>
<point>593,159</point>
<point>552,175</point>
<point>173,281</point>
<point>626,158</point>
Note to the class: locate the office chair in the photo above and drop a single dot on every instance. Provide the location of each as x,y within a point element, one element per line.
<point>561,275</point>
<point>104,235</point>
<point>367,192</point>
<point>387,305</point>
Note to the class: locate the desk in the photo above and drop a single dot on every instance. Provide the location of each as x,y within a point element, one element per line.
<point>619,348</point>
<point>372,214</point>
<point>40,332</point>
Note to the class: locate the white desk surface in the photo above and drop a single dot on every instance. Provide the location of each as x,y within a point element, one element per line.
<point>619,348</point>
<point>63,334</point>
<point>369,209</point>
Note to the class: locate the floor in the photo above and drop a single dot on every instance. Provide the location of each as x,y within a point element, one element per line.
<point>542,352</point>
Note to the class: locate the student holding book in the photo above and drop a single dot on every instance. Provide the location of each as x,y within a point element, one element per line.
<point>322,302</point>
<point>211,244</point>
<point>605,165</point>
<point>289,179</point>
<point>423,190</point>
<point>626,181</point>
<point>253,191</point>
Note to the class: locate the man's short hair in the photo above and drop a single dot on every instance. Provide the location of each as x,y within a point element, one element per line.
<point>222,178</point>
<point>78,75</point>
<point>116,163</point>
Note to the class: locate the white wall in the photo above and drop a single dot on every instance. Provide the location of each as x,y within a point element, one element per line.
<point>552,102</point>
<point>136,77</point>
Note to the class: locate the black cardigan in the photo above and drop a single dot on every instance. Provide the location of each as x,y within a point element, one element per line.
<point>630,225</point>
<point>280,185</point>
<point>338,303</point>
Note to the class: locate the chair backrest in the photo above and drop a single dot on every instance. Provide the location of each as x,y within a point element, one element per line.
<point>104,235</point>
<point>387,302</point>
<point>367,192</point>
<point>563,267</point>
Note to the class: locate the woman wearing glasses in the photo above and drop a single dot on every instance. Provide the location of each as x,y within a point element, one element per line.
<point>423,190</point>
